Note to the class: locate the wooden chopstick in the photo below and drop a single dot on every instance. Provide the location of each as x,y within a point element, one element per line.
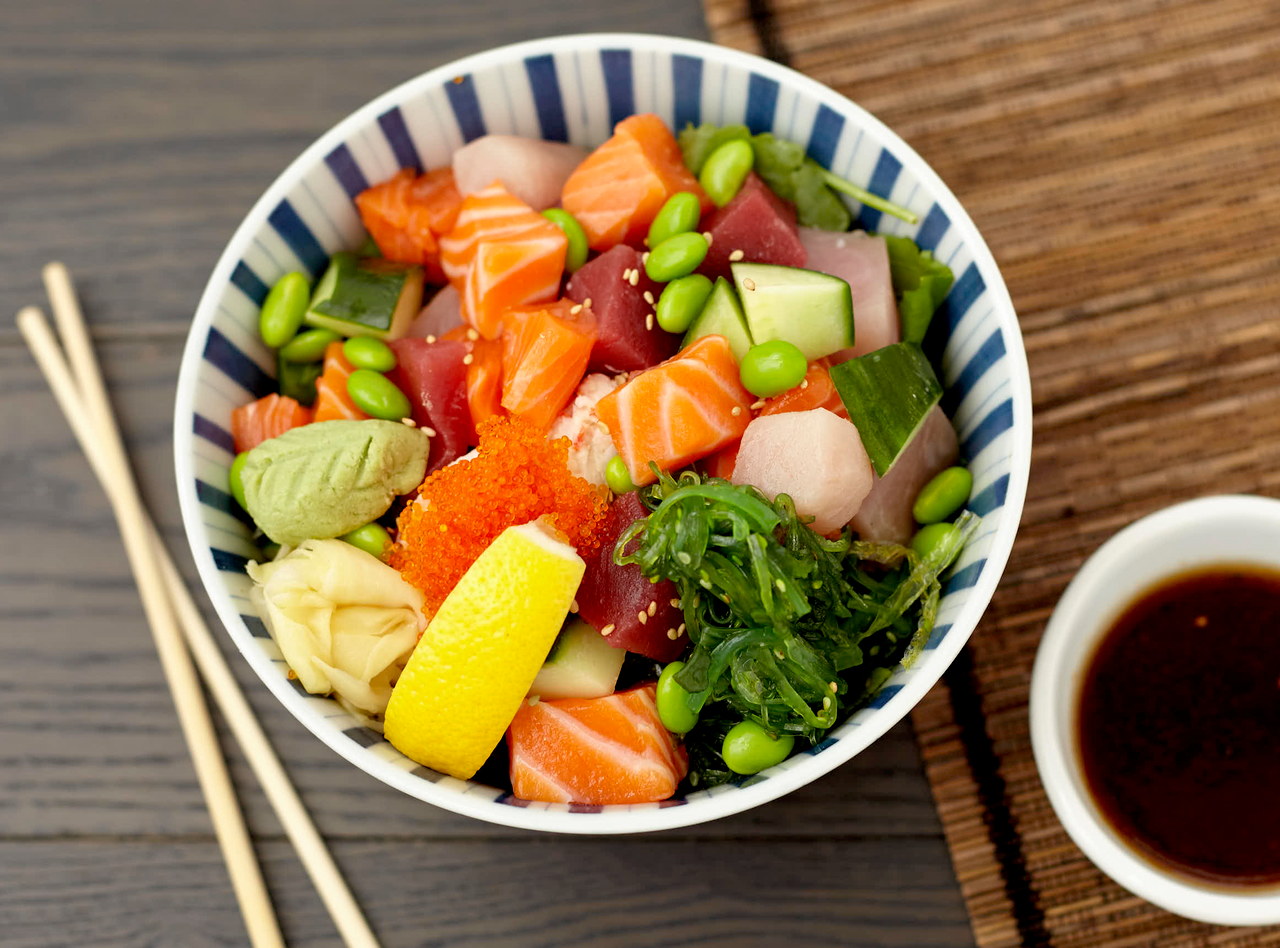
<point>78,404</point>
<point>193,714</point>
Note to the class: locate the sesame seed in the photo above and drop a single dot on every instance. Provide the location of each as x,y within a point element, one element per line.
<point>780,653</point>
<point>429,432</point>
<point>573,606</point>
<point>648,321</point>
<point>472,335</point>
<point>737,410</point>
<point>804,384</point>
<point>468,359</point>
<point>431,338</point>
<point>408,422</point>
<point>587,302</point>
<point>684,557</point>
<point>736,255</point>
<point>672,634</point>
<point>653,607</point>
<point>604,427</point>
<point>826,703</point>
<point>756,406</point>
<point>680,630</point>
<point>608,629</point>
<point>635,278</point>
<point>675,603</point>
<point>626,275</point>
<point>707,235</point>
<point>748,283</point>
<point>644,257</point>
<point>704,584</point>
<point>533,701</point>
<point>832,686</point>
<point>782,587</point>
<point>642,616</point>
<point>648,297</point>
<point>575,309</point>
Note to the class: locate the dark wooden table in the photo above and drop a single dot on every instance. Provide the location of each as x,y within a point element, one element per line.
<point>133,137</point>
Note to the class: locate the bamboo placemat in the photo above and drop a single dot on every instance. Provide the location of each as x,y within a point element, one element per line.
<point>1122,158</point>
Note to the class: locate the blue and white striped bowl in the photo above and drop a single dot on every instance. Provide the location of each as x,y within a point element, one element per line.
<point>574,89</point>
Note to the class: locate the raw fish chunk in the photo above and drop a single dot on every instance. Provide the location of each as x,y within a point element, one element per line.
<point>433,376</point>
<point>814,456</point>
<point>501,253</point>
<point>862,261</point>
<point>613,597</point>
<point>628,338</point>
<point>443,313</point>
<point>677,412</point>
<point>619,189</point>
<point>594,750</point>
<point>757,223</point>
<point>886,513</point>
<point>544,356</point>
<point>532,170</point>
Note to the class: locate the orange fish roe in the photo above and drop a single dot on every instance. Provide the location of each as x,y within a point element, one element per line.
<point>518,476</point>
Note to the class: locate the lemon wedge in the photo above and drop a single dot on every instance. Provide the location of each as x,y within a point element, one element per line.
<point>479,655</point>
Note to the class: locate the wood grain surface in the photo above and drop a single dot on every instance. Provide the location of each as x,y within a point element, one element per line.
<point>1122,159</point>
<point>133,138</point>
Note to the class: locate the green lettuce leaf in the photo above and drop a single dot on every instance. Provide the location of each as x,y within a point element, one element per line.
<point>921,284</point>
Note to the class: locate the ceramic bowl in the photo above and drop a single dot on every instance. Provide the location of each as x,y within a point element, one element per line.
<point>1212,531</point>
<point>575,88</point>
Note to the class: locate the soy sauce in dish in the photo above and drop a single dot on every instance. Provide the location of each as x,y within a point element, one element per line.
<point>1178,725</point>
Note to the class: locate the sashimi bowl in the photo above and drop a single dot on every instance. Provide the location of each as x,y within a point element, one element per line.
<point>575,89</point>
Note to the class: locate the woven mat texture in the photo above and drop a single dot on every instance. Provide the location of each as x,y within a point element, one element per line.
<point>1122,159</point>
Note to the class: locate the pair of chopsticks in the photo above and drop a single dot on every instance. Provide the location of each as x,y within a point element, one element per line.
<point>173,616</point>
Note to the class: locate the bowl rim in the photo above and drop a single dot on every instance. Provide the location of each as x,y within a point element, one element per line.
<point>712,806</point>
<point>1091,602</point>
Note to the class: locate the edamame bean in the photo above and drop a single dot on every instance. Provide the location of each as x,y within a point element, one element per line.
<point>235,478</point>
<point>576,255</point>
<point>772,368</point>
<point>308,346</point>
<point>726,168</point>
<point>676,256</point>
<point>679,215</point>
<point>673,702</point>
<point>376,395</point>
<point>617,476</point>
<point>283,309</point>
<point>368,352</point>
<point>681,301</point>
<point>946,493</point>
<point>371,538</point>
<point>927,539</point>
<point>748,748</point>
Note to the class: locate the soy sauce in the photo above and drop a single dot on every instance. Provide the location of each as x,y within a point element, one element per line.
<point>1179,726</point>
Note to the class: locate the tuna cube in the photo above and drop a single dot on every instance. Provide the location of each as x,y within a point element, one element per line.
<point>759,224</point>
<point>434,377</point>
<point>816,457</point>
<point>627,338</point>
<point>862,261</point>
<point>886,513</point>
<point>626,608</point>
